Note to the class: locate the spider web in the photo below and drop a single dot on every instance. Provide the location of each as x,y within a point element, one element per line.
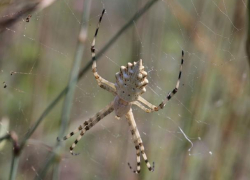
<point>188,137</point>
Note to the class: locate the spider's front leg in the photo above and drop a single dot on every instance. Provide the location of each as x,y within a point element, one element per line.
<point>141,102</point>
<point>103,83</point>
<point>138,144</point>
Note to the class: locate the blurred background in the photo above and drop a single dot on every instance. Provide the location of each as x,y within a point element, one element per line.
<point>202,133</point>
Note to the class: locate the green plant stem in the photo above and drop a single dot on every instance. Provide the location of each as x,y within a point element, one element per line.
<point>15,153</point>
<point>75,70</point>
<point>44,114</point>
<point>74,74</point>
<point>46,165</point>
<point>14,166</point>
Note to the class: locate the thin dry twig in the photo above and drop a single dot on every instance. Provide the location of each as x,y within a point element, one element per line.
<point>25,10</point>
<point>16,151</point>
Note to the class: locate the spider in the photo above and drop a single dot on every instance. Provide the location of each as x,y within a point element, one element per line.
<point>130,84</point>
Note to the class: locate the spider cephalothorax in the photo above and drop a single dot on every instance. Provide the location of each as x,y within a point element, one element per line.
<point>131,81</point>
<point>130,84</point>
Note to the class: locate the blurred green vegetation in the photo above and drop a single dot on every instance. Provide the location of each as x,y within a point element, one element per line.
<point>211,106</point>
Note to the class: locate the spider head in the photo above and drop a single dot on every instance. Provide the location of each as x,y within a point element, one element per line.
<point>131,81</point>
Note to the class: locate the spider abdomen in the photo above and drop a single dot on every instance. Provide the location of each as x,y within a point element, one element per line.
<point>121,107</point>
<point>131,81</point>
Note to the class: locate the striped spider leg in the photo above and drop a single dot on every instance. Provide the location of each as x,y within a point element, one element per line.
<point>131,82</point>
<point>87,125</point>
<point>138,144</point>
<point>141,102</point>
<point>103,83</point>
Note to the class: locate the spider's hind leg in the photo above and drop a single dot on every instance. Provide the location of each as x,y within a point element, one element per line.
<point>138,160</point>
<point>138,143</point>
<point>75,143</point>
<point>87,125</point>
<point>138,154</point>
<point>71,134</point>
<point>150,168</point>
